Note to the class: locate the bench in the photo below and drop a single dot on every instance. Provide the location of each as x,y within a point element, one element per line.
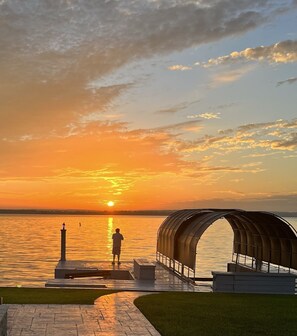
<point>254,282</point>
<point>144,269</point>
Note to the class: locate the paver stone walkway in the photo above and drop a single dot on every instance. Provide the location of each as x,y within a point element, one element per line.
<point>113,314</point>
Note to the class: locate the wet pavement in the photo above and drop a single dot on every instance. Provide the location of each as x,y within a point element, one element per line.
<point>165,280</point>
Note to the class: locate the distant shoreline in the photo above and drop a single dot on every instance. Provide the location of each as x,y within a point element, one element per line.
<point>108,213</point>
<point>85,212</point>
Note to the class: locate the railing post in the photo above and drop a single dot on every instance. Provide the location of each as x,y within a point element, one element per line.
<point>63,243</point>
<point>268,268</point>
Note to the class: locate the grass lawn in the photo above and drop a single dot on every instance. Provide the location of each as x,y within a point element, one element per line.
<point>220,314</point>
<point>51,295</point>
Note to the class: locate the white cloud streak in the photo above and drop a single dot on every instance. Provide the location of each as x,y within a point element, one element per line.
<point>177,108</point>
<point>210,115</point>
<point>281,52</point>
<point>291,80</point>
<point>179,67</point>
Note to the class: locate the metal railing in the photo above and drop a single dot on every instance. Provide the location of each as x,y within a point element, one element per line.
<point>184,272</point>
<point>255,260</point>
<point>255,264</point>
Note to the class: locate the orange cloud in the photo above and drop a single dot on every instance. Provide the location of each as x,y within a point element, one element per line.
<point>100,160</point>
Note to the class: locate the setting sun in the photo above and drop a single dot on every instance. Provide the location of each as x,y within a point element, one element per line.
<point>110,203</point>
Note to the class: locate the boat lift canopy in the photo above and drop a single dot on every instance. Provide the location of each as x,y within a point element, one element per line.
<point>260,235</point>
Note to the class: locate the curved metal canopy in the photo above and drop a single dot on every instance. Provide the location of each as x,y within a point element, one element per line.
<point>262,235</point>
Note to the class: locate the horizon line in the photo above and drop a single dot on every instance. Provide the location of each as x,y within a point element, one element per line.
<point>109,212</point>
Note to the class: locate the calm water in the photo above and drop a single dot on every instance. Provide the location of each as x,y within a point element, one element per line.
<point>30,244</point>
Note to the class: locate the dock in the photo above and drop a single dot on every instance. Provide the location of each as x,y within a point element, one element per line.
<point>105,275</point>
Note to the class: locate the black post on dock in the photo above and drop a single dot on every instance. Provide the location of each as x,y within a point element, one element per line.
<point>63,243</point>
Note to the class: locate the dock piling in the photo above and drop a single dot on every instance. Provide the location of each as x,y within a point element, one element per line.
<point>63,243</point>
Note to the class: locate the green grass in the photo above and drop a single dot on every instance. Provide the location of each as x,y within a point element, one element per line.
<point>220,314</point>
<point>51,295</point>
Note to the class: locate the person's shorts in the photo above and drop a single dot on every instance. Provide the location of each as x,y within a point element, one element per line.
<point>116,250</point>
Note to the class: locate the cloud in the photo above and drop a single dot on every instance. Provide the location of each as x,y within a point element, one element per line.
<point>281,52</point>
<point>193,125</point>
<point>209,115</point>
<point>246,201</point>
<point>51,51</point>
<point>92,147</point>
<point>177,108</point>
<point>256,155</point>
<point>287,81</point>
<point>92,163</point>
<point>290,143</point>
<point>279,135</point>
<point>223,106</point>
<point>178,67</point>
<point>229,75</point>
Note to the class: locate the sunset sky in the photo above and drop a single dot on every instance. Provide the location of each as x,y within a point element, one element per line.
<point>150,104</point>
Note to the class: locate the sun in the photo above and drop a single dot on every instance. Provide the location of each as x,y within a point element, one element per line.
<point>110,204</point>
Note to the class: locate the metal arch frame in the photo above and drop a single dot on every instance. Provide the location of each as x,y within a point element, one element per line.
<point>260,238</point>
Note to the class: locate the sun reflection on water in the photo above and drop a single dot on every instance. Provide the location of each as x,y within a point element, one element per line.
<point>109,232</point>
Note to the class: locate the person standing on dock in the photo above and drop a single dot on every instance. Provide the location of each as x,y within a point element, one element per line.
<point>116,245</point>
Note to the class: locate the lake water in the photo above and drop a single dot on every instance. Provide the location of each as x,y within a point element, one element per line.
<point>30,244</point>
